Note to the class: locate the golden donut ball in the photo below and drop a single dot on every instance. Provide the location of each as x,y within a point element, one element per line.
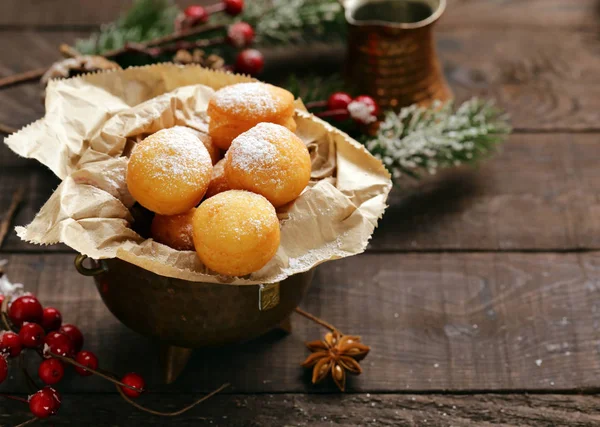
<point>236,232</point>
<point>235,109</point>
<point>218,182</point>
<point>213,150</point>
<point>169,171</point>
<point>174,231</point>
<point>268,160</point>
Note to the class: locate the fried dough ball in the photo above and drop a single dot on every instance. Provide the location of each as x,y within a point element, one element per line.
<point>236,232</point>
<point>169,171</point>
<point>235,109</point>
<point>213,150</point>
<point>174,231</point>
<point>268,160</point>
<point>218,182</point>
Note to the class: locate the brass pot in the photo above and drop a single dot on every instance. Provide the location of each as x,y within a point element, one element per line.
<point>391,51</point>
<point>193,314</point>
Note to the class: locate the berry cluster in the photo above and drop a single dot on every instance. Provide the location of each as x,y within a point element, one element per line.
<point>341,106</point>
<point>240,34</point>
<point>41,330</point>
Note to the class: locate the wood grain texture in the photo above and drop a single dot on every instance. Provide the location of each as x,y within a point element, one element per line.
<point>330,410</point>
<point>540,193</point>
<point>543,85</point>
<point>434,321</point>
<point>535,14</point>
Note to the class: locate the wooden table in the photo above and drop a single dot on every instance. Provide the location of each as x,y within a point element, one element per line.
<point>480,291</point>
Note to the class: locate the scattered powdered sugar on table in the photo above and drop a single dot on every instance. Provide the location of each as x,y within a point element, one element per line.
<point>241,96</point>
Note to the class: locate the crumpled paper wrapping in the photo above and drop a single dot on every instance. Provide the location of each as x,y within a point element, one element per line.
<point>92,122</point>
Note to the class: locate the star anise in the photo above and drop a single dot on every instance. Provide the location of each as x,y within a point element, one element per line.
<point>336,354</point>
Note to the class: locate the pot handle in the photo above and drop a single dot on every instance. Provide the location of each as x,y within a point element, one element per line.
<point>83,270</point>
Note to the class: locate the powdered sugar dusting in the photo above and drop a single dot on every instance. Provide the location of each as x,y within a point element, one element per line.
<point>243,96</point>
<point>253,151</point>
<point>362,112</point>
<point>173,156</point>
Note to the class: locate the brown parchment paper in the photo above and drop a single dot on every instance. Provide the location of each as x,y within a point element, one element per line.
<point>90,125</point>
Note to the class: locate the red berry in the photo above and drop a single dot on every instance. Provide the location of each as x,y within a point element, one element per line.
<point>51,319</point>
<point>31,335</point>
<point>55,395</point>
<point>75,334</point>
<point>43,404</point>
<point>196,14</point>
<point>339,101</point>
<point>3,369</point>
<point>1,299</point>
<point>51,371</point>
<point>249,61</point>
<point>86,358</point>
<point>363,109</point>
<point>25,309</point>
<point>233,7</point>
<point>240,34</point>
<point>59,343</point>
<point>133,380</point>
<point>10,344</point>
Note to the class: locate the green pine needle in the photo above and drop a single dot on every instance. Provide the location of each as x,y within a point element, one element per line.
<point>418,140</point>
<point>294,21</point>
<point>145,20</point>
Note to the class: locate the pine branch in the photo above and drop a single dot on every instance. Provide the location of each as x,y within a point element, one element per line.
<point>145,20</point>
<point>294,21</point>
<point>418,140</point>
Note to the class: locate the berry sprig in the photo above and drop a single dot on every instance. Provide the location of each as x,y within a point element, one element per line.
<point>29,326</point>
<point>340,106</point>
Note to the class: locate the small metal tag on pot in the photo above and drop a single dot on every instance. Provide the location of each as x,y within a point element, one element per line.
<point>268,296</point>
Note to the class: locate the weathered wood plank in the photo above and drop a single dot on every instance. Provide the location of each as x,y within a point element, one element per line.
<point>542,84</point>
<point>500,321</point>
<point>539,193</point>
<point>330,410</point>
<point>578,14</point>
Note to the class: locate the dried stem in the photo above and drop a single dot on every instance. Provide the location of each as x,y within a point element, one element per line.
<point>18,399</point>
<point>107,377</point>
<point>331,113</point>
<point>317,320</point>
<point>68,51</point>
<point>172,414</point>
<point>26,423</point>
<point>38,73</point>
<point>315,104</point>
<point>4,313</point>
<point>7,129</point>
<point>16,200</point>
<point>187,45</point>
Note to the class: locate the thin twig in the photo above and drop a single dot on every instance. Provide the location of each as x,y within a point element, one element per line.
<point>107,377</point>
<point>315,104</point>
<point>26,423</point>
<point>172,414</point>
<point>316,320</point>
<point>18,399</point>
<point>331,113</point>
<point>164,40</point>
<point>16,200</point>
<point>7,129</point>
<point>68,51</point>
<point>27,76</point>
<point>4,313</point>
<point>32,75</point>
